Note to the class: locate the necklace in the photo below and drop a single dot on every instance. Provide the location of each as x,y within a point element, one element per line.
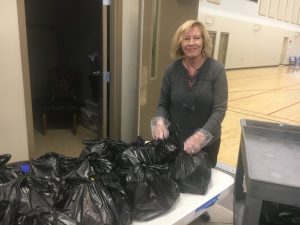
<point>192,72</point>
<point>191,80</point>
<point>192,68</point>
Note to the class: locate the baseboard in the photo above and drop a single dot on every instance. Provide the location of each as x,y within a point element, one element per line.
<point>255,67</point>
<point>226,168</point>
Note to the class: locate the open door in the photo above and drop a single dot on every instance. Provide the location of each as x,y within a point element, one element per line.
<point>159,20</point>
<point>56,36</point>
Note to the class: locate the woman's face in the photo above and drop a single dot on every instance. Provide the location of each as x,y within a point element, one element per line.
<point>192,43</point>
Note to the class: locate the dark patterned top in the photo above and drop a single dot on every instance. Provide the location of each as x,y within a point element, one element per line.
<point>196,104</point>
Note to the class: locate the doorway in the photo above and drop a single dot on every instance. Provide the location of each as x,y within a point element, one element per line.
<point>223,47</point>
<point>213,36</point>
<point>64,41</point>
<point>283,50</point>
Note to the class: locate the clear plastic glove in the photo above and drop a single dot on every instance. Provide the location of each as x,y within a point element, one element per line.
<point>197,141</point>
<point>159,128</point>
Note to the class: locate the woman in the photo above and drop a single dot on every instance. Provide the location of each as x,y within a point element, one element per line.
<point>194,92</point>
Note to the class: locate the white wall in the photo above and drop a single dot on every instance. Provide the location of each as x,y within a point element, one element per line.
<point>129,70</point>
<point>246,47</point>
<point>243,10</point>
<point>13,133</point>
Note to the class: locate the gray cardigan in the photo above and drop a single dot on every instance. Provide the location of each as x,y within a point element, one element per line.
<point>192,108</point>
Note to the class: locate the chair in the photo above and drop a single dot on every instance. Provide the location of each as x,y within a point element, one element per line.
<point>292,60</point>
<point>62,104</point>
<point>297,60</point>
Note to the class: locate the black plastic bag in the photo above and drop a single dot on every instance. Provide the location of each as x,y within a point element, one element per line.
<point>49,188</point>
<point>4,159</point>
<point>107,148</point>
<point>101,169</point>
<point>147,181</point>
<point>53,165</point>
<point>10,191</point>
<point>33,208</point>
<point>45,216</point>
<point>145,153</point>
<point>137,154</point>
<point>88,202</point>
<point>122,203</point>
<point>6,173</point>
<point>192,173</point>
<point>22,203</point>
<point>170,148</point>
<point>85,199</point>
<point>7,212</point>
<point>36,199</point>
<point>84,171</point>
<point>279,214</point>
<point>99,164</point>
<point>166,150</point>
<point>152,191</point>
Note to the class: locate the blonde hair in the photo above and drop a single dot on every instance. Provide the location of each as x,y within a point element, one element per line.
<point>176,51</point>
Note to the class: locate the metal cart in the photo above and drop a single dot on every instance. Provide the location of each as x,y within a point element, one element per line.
<point>268,169</point>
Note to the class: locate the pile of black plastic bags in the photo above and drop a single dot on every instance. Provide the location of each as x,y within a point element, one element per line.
<point>111,183</point>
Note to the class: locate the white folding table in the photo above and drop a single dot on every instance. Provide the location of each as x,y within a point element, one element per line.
<point>190,206</point>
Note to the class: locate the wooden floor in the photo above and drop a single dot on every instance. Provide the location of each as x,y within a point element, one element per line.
<point>61,141</point>
<point>264,94</point>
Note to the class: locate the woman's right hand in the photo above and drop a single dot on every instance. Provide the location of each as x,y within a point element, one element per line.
<point>159,128</point>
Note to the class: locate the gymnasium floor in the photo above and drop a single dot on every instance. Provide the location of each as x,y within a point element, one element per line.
<point>265,94</point>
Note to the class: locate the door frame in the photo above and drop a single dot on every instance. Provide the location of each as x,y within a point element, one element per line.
<point>213,36</point>
<point>26,76</point>
<point>223,46</point>
<point>115,67</point>
<point>285,42</point>
<point>115,63</point>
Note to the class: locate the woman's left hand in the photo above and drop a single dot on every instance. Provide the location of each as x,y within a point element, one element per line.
<point>192,144</point>
<point>197,141</point>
